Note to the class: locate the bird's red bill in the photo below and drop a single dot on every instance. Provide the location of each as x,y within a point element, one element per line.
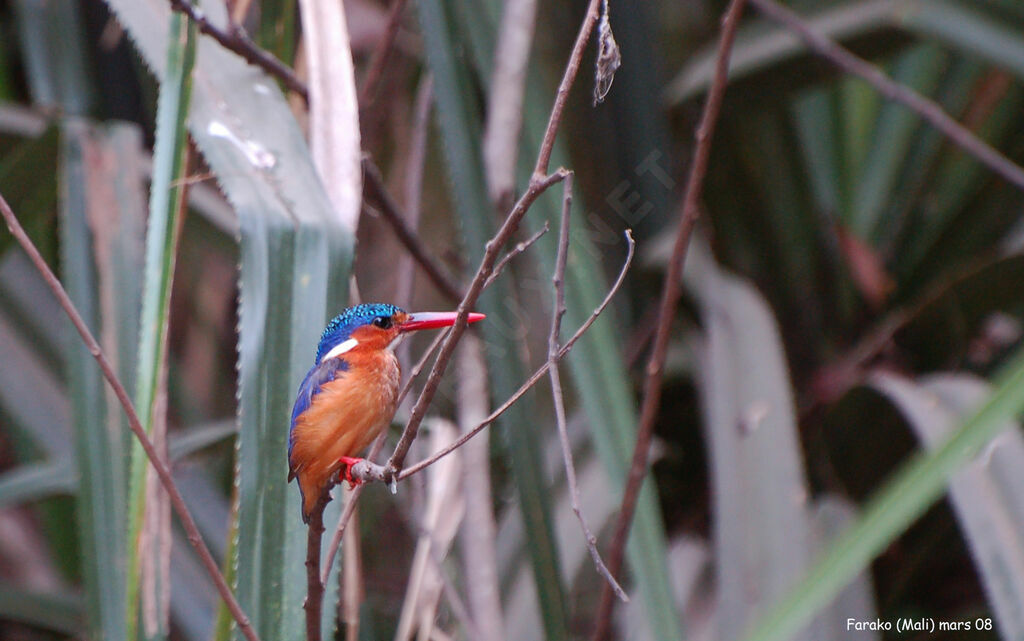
<point>432,320</point>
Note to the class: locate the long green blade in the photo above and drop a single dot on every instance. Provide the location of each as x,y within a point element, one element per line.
<point>161,248</point>
<point>917,485</point>
<point>98,451</point>
<point>294,270</point>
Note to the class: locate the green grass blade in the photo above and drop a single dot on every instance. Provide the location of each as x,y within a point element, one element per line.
<point>920,68</point>
<point>918,484</point>
<point>55,611</point>
<point>763,530</point>
<point>831,516</point>
<point>161,248</point>
<point>40,428</point>
<point>760,46</point>
<point>99,452</point>
<point>985,495</point>
<point>460,128</point>
<point>36,481</point>
<point>966,26</point>
<point>54,50</point>
<point>188,442</point>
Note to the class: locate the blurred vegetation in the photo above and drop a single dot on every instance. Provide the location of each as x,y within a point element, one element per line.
<point>853,294</point>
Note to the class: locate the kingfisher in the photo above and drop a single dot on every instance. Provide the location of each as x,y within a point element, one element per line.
<point>350,394</point>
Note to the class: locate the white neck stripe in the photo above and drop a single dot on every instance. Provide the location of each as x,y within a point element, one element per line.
<point>340,349</point>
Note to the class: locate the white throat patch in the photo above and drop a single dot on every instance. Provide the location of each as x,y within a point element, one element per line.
<point>340,349</point>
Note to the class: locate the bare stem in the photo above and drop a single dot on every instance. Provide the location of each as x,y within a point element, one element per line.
<point>177,502</point>
<point>924,107</point>
<point>557,313</point>
<point>669,300</point>
<point>367,471</point>
<point>314,584</point>
<point>493,247</point>
<point>515,251</point>
<point>379,60</point>
<point>548,142</point>
<point>237,40</point>
<point>377,192</point>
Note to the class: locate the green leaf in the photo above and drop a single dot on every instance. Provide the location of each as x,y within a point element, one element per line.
<point>188,442</point>
<point>36,481</point>
<point>984,493</point>
<point>832,515</point>
<point>918,484</point>
<point>969,28</point>
<point>763,530</point>
<point>59,612</point>
<point>165,213</point>
<point>295,263</point>
<point>920,68</point>
<point>54,51</point>
<point>98,451</point>
<point>762,46</point>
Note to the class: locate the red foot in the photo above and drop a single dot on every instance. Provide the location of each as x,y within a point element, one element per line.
<point>348,462</point>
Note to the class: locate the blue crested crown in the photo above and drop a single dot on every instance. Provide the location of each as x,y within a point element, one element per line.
<point>341,326</point>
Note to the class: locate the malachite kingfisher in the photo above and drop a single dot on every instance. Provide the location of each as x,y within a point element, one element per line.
<point>350,394</point>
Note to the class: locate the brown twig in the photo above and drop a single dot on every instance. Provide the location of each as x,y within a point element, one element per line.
<point>669,300</point>
<point>375,71</point>
<point>376,192</point>
<point>314,584</point>
<point>557,313</point>
<point>413,375</point>
<point>515,251</point>
<point>237,40</point>
<point>420,364</point>
<point>419,410</point>
<point>548,142</point>
<point>177,502</point>
<point>924,107</point>
<point>369,472</point>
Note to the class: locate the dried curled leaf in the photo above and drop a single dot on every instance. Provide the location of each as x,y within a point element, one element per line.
<point>609,58</point>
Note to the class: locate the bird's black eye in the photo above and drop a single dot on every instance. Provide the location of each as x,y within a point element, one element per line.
<point>383,322</point>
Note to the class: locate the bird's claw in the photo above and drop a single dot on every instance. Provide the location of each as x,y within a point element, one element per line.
<point>348,462</point>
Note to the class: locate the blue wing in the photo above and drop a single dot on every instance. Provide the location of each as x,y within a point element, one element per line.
<point>317,377</point>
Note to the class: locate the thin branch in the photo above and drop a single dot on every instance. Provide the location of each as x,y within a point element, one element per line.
<point>367,471</point>
<point>376,191</point>
<point>413,375</point>
<point>556,387</point>
<point>548,142</point>
<point>669,300</point>
<point>419,410</point>
<point>237,40</point>
<point>177,502</point>
<point>379,60</point>
<point>420,364</point>
<point>924,107</point>
<point>314,584</point>
<point>515,251</point>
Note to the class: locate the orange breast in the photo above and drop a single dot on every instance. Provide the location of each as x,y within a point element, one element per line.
<point>343,419</point>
